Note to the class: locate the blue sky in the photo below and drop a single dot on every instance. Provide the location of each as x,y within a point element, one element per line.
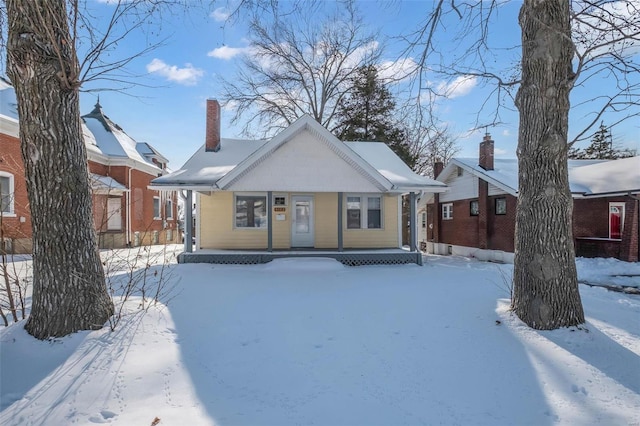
<point>185,71</point>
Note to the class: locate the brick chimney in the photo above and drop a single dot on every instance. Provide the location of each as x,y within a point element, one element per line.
<point>212,139</point>
<point>438,166</point>
<point>486,152</point>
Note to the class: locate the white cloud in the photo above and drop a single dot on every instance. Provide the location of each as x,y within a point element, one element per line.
<point>187,76</point>
<point>498,151</point>
<point>396,71</point>
<point>226,52</point>
<point>460,86</point>
<point>506,132</point>
<point>220,14</point>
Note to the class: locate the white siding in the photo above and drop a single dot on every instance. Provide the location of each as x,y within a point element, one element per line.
<point>460,187</point>
<point>304,164</point>
<point>494,190</point>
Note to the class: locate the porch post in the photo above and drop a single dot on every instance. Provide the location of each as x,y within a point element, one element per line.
<point>269,221</point>
<point>412,221</point>
<point>188,222</point>
<point>340,243</point>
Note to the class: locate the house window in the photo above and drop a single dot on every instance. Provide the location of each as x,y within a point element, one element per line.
<point>6,193</point>
<point>374,213</point>
<point>279,200</point>
<point>501,206</point>
<point>364,212</point>
<point>114,214</point>
<point>474,208</point>
<point>168,209</point>
<point>447,211</point>
<point>424,219</point>
<point>353,213</point>
<point>460,171</point>
<point>616,220</point>
<point>156,208</point>
<point>251,211</point>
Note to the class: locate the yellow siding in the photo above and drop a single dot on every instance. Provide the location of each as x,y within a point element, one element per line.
<point>216,226</point>
<point>386,237</point>
<point>326,220</point>
<point>281,233</point>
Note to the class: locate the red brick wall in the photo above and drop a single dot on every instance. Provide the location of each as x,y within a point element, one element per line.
<point>501,228</point>
<point>462,230</point>
<point>11,162</point>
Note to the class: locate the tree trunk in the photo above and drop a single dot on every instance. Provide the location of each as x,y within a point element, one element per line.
<point>69,290</point>
<point>545,287</point>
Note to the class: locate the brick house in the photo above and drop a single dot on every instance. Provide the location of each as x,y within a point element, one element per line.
<point>125,211</point>
<point>476,217</point>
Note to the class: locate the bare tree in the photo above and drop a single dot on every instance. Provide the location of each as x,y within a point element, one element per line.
<point>43,43</point>
<point>69,291</point>
<point>298,63</point>
<point>607,37</point>
<point>545,284</point>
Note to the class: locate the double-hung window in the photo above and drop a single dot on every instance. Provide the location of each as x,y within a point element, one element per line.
<point>447,211</point>
<point>6,193</point>
<point>251,211</point>
<point>364,212</point>
<point>156,208</point>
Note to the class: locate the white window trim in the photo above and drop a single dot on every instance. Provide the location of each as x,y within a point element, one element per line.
<point>621,206</point>
<point>159,217</point>
<point>12,211</point>
<point>364,211</point>
<point>447,211</point>
<point>250,194</point>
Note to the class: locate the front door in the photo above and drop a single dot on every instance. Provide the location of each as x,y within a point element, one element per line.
<point>302,234</point>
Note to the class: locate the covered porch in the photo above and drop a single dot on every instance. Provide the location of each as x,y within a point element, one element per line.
<point>346,255</point>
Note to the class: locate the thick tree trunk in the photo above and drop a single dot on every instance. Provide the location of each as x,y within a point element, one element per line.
<point>69,290</point>
<point>545,287</point>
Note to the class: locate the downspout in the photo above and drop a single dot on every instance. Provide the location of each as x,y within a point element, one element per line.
<point>128,215</point>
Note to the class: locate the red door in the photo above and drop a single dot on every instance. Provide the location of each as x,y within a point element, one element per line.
<point>616,213</point>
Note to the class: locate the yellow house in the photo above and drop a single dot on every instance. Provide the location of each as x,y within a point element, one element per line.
<point>302,192</point>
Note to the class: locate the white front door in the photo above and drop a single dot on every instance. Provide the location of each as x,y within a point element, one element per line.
<point>302,233</point>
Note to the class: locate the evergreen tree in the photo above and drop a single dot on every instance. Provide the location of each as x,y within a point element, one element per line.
<point>366,114</point>
<point>601,148</point>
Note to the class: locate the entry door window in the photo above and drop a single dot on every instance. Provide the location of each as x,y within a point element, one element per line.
<point>303,209</point>
<point>616,220</point>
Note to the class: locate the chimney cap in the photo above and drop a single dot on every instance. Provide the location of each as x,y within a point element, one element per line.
<point>487,136</point>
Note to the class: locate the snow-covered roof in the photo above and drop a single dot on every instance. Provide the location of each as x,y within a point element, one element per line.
<point>616,176</point>
<point>586,177</point>
<point>102,137</point>
<point>389,165</point>
<point>204,169</point>
<point>105,184</point>
<point>8,103</point>
<point>219,170</point>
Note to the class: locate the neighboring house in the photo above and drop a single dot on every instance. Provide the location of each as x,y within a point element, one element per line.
<point>302,191</point>
<point>126,212</point>
<point>476,217</point>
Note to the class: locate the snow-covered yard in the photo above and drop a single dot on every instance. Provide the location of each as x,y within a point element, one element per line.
<point>311,342</point>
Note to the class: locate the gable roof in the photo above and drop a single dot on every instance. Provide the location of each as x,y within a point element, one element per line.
<point>237,158</point>
<point>586,177</point>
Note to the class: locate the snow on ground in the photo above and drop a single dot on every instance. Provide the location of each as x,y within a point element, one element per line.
<point>312,342</point>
